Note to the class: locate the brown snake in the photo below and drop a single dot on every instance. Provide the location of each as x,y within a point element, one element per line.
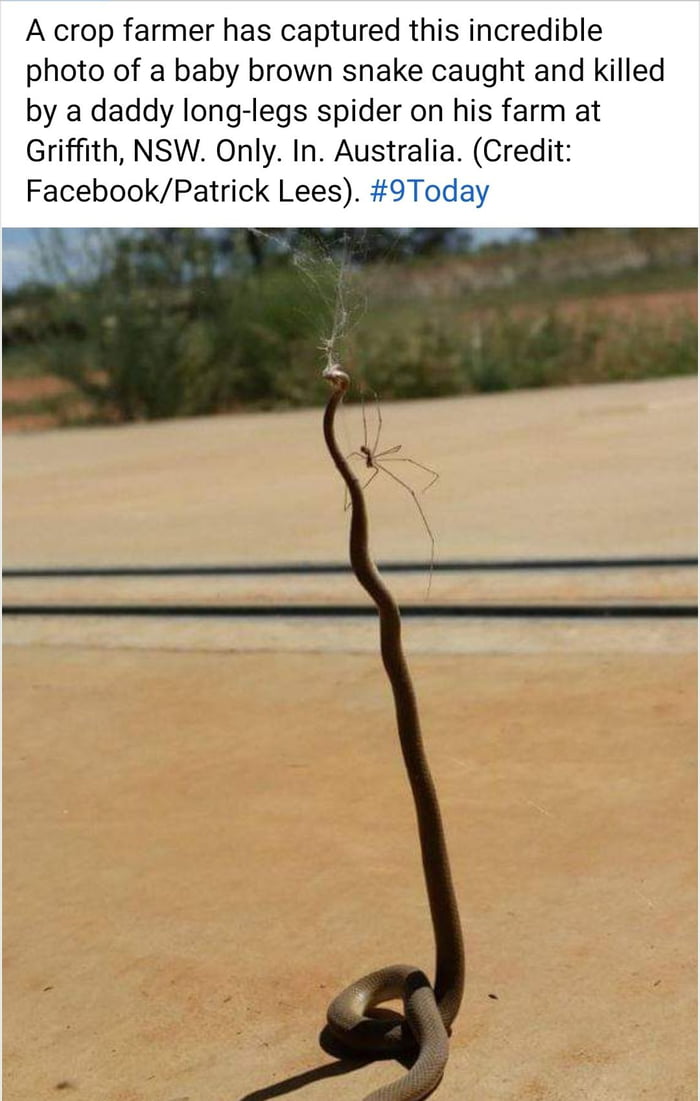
<point>428,1010</point>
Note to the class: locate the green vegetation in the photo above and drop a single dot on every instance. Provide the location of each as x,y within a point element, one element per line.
<point>502,351</point>
<point>180,322</point>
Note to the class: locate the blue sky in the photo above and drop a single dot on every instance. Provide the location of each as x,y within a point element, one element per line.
<point>18,249</point>
<point>16,255</point>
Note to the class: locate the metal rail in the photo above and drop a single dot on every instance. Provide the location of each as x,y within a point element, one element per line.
<point>357,611</point>
<point>289,568</point>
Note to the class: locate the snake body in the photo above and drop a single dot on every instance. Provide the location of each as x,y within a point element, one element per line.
<point>429,1010</point>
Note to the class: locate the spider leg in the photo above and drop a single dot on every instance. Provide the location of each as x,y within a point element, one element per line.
<point>379,422</point>
<point>346,495</point>
<point>434,473</point>
<point>371,478</point>
<point>423,518</point>
<point>364,419</point>
<point>373,475</point>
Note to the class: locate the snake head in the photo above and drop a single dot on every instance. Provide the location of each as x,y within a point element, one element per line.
<point>336,376</point>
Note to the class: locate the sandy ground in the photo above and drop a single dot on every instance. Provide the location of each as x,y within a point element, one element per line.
<point>207,828</point>
<point>606,470</point>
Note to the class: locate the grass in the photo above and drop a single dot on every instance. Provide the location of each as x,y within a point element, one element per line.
<point>588,288</point>
<point>444,355</point>
<point>53,406</point>
<point>21,361</point>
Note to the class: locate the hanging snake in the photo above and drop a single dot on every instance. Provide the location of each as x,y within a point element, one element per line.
<point>428,1010</point>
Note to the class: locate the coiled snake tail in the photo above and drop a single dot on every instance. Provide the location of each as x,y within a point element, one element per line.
<point>429,1010</point>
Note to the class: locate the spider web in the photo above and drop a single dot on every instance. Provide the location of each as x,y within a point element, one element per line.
<point>333,269</point>
<point>333,265</point>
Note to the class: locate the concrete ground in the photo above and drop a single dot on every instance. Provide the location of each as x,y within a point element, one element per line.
<point>207,828</point>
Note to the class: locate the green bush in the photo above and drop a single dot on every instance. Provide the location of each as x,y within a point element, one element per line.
<point>418,360</point>
<point>267,338</point>
<point>166,335</point>
<point>507,352</point>
<point>163,324</point>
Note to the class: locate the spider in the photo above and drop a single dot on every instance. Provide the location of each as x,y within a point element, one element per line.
<point>374,460</point>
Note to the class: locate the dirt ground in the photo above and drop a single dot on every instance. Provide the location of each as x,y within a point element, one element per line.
<point>207,828</point>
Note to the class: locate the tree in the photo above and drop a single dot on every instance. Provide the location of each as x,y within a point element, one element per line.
<point>142,312</point>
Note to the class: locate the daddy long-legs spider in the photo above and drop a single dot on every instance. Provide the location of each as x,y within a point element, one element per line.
<point>376,460</point>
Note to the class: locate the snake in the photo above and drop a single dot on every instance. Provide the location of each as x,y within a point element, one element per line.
<point>429,1010</point>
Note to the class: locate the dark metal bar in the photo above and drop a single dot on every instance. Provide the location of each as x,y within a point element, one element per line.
<point>424,611</point>
<point>284,568</point>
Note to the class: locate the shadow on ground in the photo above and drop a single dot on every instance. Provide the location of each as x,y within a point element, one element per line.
<point>344,1065</point>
